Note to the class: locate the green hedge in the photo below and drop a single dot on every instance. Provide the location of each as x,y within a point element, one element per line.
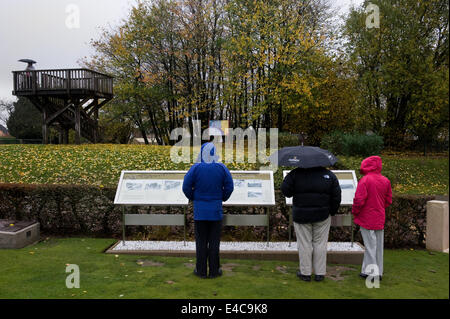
<point>66,210</point>
<point>9,140</point>
<point>354,144</point>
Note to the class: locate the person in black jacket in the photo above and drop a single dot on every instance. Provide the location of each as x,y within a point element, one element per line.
<point>317,195</point>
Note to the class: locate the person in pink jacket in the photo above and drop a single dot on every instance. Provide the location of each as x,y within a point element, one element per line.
<point>373,195</point>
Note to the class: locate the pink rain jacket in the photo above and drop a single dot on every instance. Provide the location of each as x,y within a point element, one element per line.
<point>373,195</point>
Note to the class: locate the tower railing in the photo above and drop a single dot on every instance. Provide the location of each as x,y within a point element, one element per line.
<point>69,80</point>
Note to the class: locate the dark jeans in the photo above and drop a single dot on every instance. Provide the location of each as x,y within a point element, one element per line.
<point>207,242</point>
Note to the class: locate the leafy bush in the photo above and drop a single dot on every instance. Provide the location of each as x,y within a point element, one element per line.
<point>9,140</point>
<point>353,144</point>
<point>334,142</point>
<point>287,139</point>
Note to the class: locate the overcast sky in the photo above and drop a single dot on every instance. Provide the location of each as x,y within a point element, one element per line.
<point>47,32</point>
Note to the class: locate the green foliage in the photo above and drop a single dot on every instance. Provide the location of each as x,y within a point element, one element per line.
<point>8,140</point>
<point>362,145</point>
<point>259,63</point>
<point>334,142</point>
<point>353,144</point>
<point>25,120</point>
<point>287,139</point>
<point>402,68</point>
<point>115,131</point>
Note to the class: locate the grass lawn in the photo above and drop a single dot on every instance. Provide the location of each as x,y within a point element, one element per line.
<point>39,272</point>
<point>101,165</point>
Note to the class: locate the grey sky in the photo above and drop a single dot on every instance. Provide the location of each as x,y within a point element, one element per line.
<point>36,29</point>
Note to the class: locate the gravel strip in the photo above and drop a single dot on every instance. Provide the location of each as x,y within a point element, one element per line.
<point>227,246</point>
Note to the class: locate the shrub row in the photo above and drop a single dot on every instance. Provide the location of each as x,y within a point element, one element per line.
<point>66,210</point>
<point>353,144</point>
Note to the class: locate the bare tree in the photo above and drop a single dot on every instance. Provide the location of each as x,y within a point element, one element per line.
<point>6,108</point>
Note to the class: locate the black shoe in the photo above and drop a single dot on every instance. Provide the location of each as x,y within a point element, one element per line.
<point>218,274</point>
<point>198,275</point>
<point>319,278</point>
<point>364,276</point>
<point>303,277</point>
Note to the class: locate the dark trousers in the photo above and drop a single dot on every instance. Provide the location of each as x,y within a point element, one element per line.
<point>207,243</point>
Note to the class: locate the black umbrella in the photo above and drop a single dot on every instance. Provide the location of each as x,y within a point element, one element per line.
<point>303,156</point>
<point>30,63</point>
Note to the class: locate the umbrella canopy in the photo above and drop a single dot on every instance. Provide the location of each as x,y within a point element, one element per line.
<point>303,156</point>
<point>27,61</point>
<point>30,62</point>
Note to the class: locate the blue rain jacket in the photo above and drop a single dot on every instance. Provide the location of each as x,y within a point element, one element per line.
<point>208,183</point>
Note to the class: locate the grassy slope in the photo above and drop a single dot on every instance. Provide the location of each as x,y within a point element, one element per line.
<point>101,165</point>
<point>39,272</point>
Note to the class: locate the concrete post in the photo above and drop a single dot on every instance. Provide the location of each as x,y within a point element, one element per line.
<point>437,225</point>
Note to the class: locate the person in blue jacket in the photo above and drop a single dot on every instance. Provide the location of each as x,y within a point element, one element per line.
<point>208,183</point>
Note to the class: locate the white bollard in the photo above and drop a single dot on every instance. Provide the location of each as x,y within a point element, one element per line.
<point>437,226</point>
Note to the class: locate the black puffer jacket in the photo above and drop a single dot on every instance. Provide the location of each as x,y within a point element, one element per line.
<point>316,192</point>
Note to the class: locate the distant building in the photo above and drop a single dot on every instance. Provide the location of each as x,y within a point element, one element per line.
<point>3,131</point>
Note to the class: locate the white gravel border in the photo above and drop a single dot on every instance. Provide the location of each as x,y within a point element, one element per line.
<point>228,246</point>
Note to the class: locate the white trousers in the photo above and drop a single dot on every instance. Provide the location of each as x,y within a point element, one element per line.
<point>373,255</point>
<point>312,240</point>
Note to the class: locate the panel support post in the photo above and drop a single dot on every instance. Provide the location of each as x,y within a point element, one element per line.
<point>65,135</point>
<point>290,225</point>
<point>60,135</point>
<point>267,212</point>
<point>184,226</point>
<point>123,225</point>
<point>351,216</point>
<point>96,133</point>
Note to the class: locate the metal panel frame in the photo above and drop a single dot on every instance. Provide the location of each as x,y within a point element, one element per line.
<point>162,219</point>
<point>154,220</point>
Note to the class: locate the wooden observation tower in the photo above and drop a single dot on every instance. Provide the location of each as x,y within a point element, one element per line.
<point>67,99</point>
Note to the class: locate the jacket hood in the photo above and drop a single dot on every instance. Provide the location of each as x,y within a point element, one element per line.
<point>371,164</point>
<point>207,154</point>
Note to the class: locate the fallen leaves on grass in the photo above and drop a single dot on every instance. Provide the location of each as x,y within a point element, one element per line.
<point>335,272</point>
<point>282,269</point>
<point>149,263</point>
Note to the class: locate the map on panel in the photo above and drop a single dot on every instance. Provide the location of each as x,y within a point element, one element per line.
<point>252,188</point>
<point>151,188</point>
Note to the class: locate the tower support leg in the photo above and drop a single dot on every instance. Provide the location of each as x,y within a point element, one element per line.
<point>77,124</point>
<point>44,126</point>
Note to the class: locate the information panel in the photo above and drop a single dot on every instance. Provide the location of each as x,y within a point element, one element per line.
<point>164,188</point>
<point>347,181</point>
<point>156,188</point>
<point>252,188</point>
